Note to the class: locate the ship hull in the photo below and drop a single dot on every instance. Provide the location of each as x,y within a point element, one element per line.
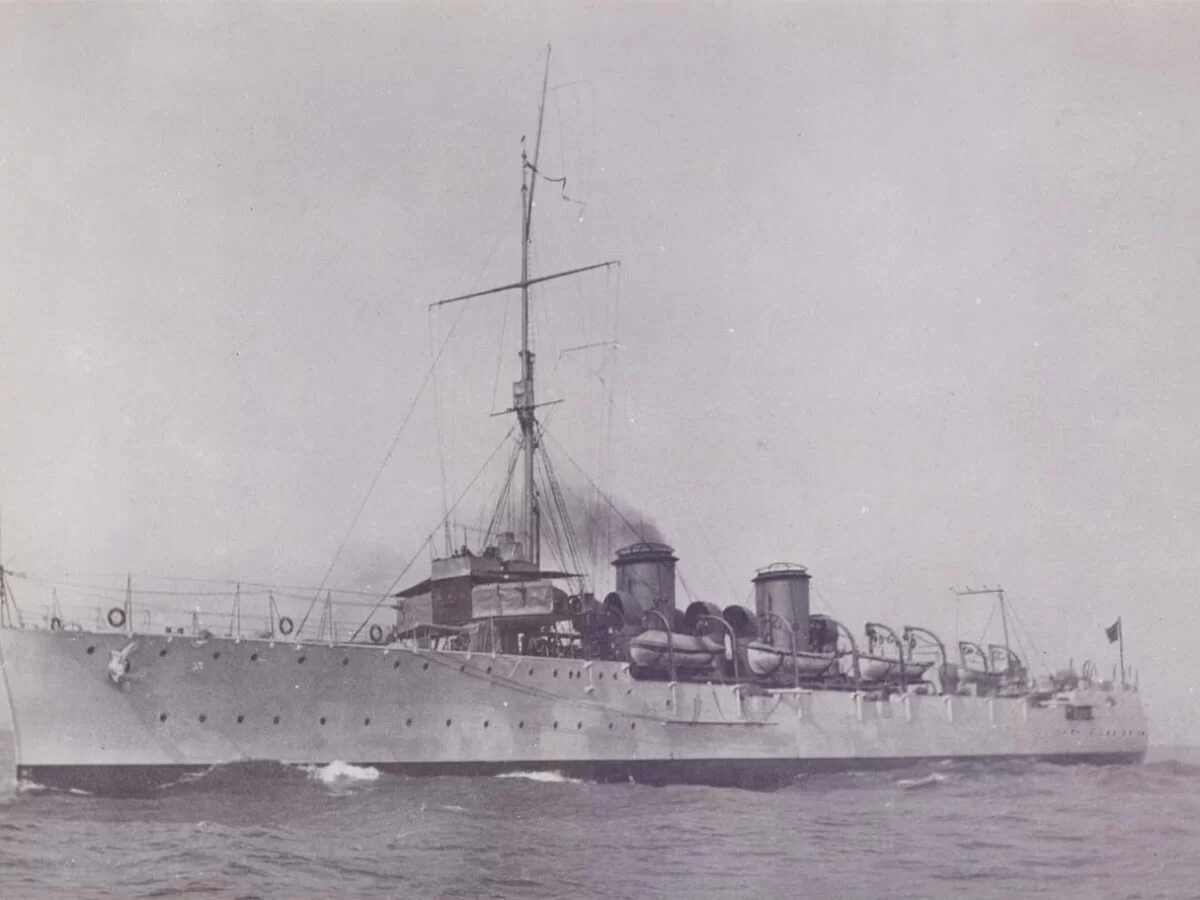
<point>186,705</point>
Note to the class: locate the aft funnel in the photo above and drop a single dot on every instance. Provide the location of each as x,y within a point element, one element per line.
<point>781,601</point>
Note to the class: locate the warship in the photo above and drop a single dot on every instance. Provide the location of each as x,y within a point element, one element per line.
<point>498,663</point>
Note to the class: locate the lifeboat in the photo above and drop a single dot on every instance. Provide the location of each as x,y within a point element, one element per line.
<point>650,649</point>
<point>879,668</point>
<point>765,660</point>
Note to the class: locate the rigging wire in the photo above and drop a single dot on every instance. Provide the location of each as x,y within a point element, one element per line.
<point>502,505</point>
<point>382,466</point>
<point>828,606</point>
<point>606,450</point>
<point>429,537</point>
<point>396,440</point>
<point>1017,637</point>
<point>503,321</point>
<point>441,442</point>
<point>992,615</point>
<point>637,532</point>
<point>1029,637</point>
<point>565,532</point>
<point>500,354</point>
<point>704,535</point>
<point>683,584</point>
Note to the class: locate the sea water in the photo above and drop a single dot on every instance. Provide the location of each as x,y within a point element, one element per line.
<point>951,830</point>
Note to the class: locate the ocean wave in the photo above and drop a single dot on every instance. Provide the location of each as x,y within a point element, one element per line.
<point>547,777</point>
<point>1174,767</point>
<point>930,780</point>
<point>29,786</point>
<point>234,776</point>
<point>338,772</point>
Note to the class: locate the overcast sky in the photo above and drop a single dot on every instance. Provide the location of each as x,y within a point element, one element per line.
<point>907,295</point>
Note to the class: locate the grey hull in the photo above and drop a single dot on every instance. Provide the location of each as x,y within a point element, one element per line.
<point>186,705</point>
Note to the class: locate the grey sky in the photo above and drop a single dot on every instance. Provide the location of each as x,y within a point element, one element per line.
<point>907,293</point>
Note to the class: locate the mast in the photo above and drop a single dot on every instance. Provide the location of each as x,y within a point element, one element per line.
<point>524,397</point>
<point>523,391</point>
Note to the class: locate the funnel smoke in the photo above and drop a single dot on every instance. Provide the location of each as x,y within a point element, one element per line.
<point>602,525</point>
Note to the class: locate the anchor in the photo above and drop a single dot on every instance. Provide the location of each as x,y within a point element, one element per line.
<point>118,663</point>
